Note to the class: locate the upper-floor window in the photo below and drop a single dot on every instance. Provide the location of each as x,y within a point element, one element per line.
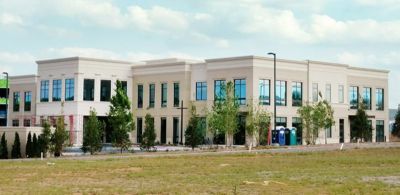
<point>56,90</point>
<point>27,101</point>
<point>176,94</point>
<point>328,92</point>
<point>367,98</point>
<point>201,91</point>
<point>16,101</point>
<point>164,94</point>
<point>341,94</point>
<point>379,99</point>
<point>263,85</point>
<point>315,92</point>
<point>69,89</point>
<point>44,91</point>
<point>15,123</point>
<point>88,89</point>
<point>125,86</point>
<point>105,90</point>
<point>280,99</point>
<point>297,94</point>
<point>219,90</point>
<point>240,91</point>
<point>140,96</point>
<point>152,93</point>
<point>353,97</point>
<point>27,123</point>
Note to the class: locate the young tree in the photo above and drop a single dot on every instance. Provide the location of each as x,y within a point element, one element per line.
<point>59,137</point>
<point>120,118</point>
<point>45,138</point>
<point>361,128</point>
<point>92,134</point>
<point>314,118</point>
<point>28,147</point>
<point>149,135</point>
<point>4,148</point>
<point>257,124</point>
<point>193,134</point>
<point>396,125</point>
<point>16,148</point>
<point>223,116</point>
<point>35,146</point>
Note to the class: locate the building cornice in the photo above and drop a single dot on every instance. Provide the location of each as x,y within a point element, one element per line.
<point>77,58</point>
<point>369,69</point>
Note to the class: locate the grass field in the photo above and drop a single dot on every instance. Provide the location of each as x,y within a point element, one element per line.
<point>361,171</point>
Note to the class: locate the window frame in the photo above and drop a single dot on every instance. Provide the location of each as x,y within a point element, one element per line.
<point>295,88</point>
<point>57,88</point>
<point>200,94</point>
<point>284,101</point>
<point>263,86</point>
<point>44,90</point>
<point>69,89</point>
<point>239,86</point>
<point>91,93</point>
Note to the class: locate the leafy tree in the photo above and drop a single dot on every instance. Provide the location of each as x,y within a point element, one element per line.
<point>4,148</point>
<point>35,146</point>
<point>92,134</point>
<point>257,124</point>
<point>360,127</point>
<point>149,135</point>
<point>223,117</point>
<point>59,137</point>
<point>314,118</point>
<point>396,126</point>
<point>16,148</point>
<point>193,134</point>
<point>120,118</point>
<point>28,148</point>
<point>45,138</point>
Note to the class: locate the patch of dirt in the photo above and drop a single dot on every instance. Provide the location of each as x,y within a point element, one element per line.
<point>391,180</point>
<point>224,165</point>
<point>126,170</point>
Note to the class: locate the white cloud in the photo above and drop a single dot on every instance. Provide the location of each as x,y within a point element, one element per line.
<point>17,63</point>
<point>10,19</point>
<point>378,2</point>
<point>82,52</point>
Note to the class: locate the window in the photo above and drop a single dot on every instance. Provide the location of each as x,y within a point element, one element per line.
<point>69,89</point>
<point>152,93</point>
<point>281,121</point>
<point>27,123</point>
<point>56,90</point>
<point>125,86</point>
<point>315,92</point>
<point>176,94</point>
<point>219,90</point>
<point>15,123</point>
<point>380,131</point>
<point>105,90</point>
<point>88,89</point>
<point>367,98</point>
<point>27,101</point>
<point>328,132</point>
<point>139,130</point>
<point>341,94</point>
<point>201,91</point>
<point>140,96</point>
<point>328,92</point>
<point>263,85</point>
<point>164,94</point>
<point>240,91</point>
<point>297,94</point>
<point>280,93</point>
<point>44,91</point>
<point>16,102</point>
<point>353,96</point>
<point>379,99</point>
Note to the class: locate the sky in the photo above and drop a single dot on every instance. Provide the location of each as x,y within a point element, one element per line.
<point>364,33</point>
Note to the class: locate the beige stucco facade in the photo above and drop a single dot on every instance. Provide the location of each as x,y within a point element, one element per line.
<point>331,80</point>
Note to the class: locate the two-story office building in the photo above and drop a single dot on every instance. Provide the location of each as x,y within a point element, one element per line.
<point>70,87</point>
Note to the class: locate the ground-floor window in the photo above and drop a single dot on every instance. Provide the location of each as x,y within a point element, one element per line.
<point>296,123</point>
<point>380,131</point>
<point>328,132</point>
<point>281,121</point>
<point>27,123</point>
<point>139,132</point>
<point>15,123</point>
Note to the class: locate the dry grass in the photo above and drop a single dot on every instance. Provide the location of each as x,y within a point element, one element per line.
<point>371,171</point>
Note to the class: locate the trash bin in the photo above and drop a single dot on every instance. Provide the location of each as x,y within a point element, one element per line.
<point>287,136</point>
<point>282,137</point>
<point>293,136</point>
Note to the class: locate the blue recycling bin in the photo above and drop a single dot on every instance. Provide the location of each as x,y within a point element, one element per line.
<point>275,136</point>
<point>282,137</point>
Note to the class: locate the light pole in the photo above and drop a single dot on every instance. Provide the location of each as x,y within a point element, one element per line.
<point>7,91</point>
<point>270,53</point>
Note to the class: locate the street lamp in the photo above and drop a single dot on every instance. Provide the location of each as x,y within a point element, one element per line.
<point>270,53</point>
<point>7,90</point>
